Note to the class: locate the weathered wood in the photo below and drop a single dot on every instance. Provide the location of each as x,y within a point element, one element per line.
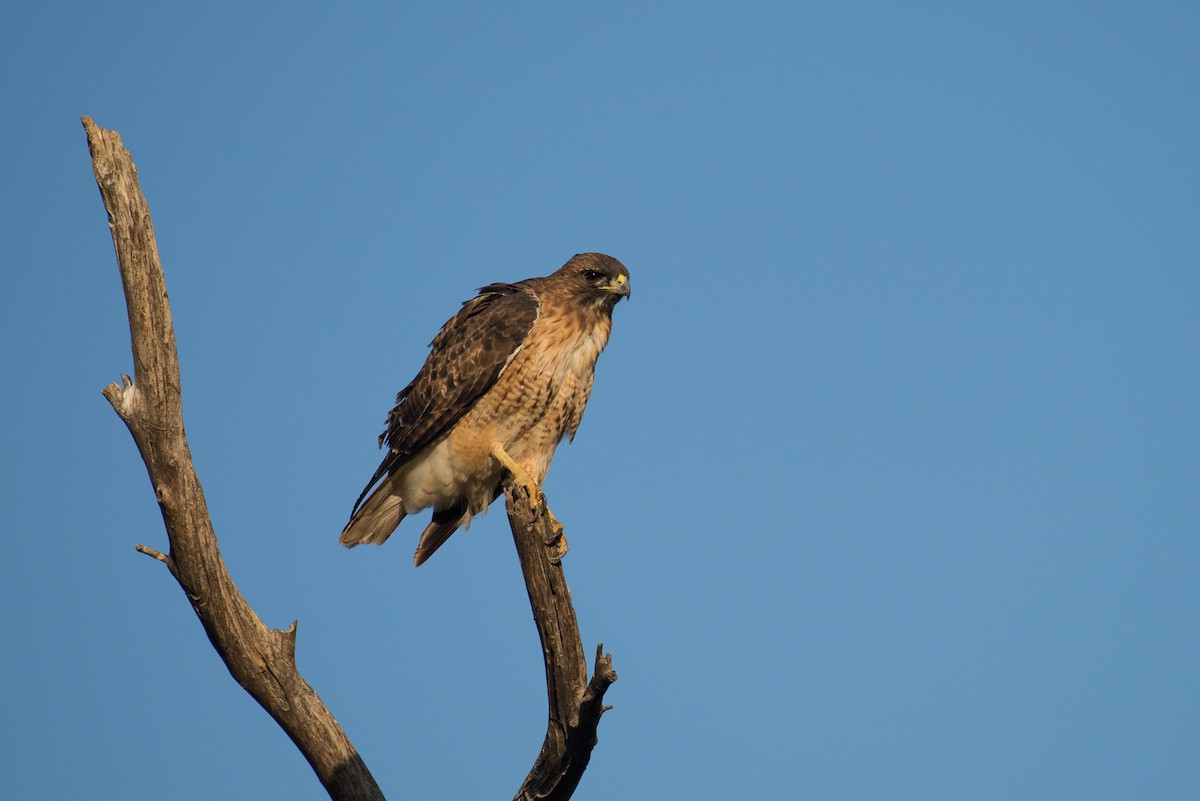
<point>575,703</point>
<point>261,659</point>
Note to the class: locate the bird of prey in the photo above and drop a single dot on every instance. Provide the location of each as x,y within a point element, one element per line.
<point>505,381</point>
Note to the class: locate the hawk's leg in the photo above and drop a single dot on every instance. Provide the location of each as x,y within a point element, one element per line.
<point>557,542</point>
<point>519,475</point>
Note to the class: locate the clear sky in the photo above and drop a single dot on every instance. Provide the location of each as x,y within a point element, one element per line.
<point>889,487</point>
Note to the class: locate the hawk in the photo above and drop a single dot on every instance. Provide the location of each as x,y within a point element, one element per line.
<point>505,381</point>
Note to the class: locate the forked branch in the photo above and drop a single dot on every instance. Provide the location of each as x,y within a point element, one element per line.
<point>261,659</point>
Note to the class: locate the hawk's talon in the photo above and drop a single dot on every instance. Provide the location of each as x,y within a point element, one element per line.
<point>557,544</point>
<point>556,532</point>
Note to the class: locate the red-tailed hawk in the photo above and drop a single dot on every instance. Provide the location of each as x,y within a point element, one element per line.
<point>506,380</point>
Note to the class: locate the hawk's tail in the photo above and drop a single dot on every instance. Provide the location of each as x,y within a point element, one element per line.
<point>444,523</point>
<point>374,521</point>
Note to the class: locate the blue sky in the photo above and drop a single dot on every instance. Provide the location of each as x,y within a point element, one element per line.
<point>888,488</point>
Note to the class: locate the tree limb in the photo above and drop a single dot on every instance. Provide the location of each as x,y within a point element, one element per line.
<point>576,704</point>
<point>261,659</point>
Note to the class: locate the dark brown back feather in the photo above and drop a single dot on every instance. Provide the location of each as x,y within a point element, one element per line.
<point>465,360</point>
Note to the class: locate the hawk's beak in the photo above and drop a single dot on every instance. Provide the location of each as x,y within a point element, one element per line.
<point>620,285</point>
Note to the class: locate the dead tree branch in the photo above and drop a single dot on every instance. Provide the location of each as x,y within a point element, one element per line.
<point>261,659</point>
<point>576,704</point>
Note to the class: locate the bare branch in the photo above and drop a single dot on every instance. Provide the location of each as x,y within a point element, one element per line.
<point>575,703</point>
<point>261,659</point>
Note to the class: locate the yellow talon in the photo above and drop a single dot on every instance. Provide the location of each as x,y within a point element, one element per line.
<point>558,542</point>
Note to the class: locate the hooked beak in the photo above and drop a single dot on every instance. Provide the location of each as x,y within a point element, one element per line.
<point>620,286</point>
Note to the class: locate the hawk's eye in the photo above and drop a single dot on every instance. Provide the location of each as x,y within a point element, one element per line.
<point>593,275</point>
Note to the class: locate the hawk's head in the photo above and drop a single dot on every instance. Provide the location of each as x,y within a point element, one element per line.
<point>596,280</point>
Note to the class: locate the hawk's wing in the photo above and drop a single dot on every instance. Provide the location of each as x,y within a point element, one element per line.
<point>466,358</point>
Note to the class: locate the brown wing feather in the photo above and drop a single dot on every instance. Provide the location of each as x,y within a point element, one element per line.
<point>465,360</point>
